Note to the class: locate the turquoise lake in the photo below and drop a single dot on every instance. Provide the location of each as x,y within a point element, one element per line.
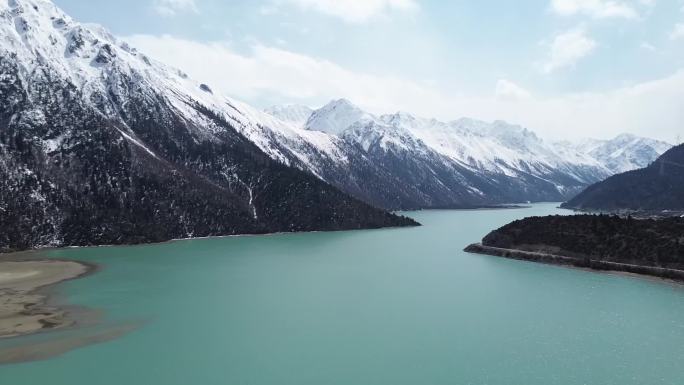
<point>394,307</point>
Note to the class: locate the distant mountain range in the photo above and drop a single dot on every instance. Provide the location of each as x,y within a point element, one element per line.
<point>100,144</point>
<point>657,187</point>
<point>624,153</point>
<point>401,161</point>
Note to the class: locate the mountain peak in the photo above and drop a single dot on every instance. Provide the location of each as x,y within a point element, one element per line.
<point>296,114</point>
<point>624,152</point>
<point>341,102</point>
<point>399,118</point>
<point>127,142</point>
<point>335,117</point>
<point>625,136</point>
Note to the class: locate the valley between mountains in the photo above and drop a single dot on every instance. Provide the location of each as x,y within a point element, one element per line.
<point>101,144</point>
<point>400,161</point>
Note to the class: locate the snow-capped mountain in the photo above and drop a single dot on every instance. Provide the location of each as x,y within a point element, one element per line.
<point>422,163</point>
<point>656,188</point>
<point>335,117</point>
<point>497,147</point>
<point>296,114</point>
<point>625,152</point>
<point>100,144</point>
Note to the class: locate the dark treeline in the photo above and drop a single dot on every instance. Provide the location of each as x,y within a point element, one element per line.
<point>180,178</point>
<point>646,242</point>
<point>659,186</point>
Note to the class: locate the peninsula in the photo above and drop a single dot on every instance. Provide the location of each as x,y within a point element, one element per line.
<point>601,242</point>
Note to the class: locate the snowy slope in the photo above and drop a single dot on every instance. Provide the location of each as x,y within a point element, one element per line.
<point>99,144</point>
<point>497,147</point>
<point>395,161</point>
<point>98,64</point>
<point>336,116</point>
<point>627,152</point>
<point>623,153</point>
<point>295,114</point>
<point>450,164</point>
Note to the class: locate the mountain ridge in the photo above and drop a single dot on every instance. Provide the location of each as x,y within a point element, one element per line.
<point>657,187</point>
<point>465,162</point>
<point>99,144</point>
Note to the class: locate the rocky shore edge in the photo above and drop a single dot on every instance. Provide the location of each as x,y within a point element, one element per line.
<point>586,262</point>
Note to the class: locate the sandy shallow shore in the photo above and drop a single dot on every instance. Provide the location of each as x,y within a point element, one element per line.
<point>23,307</point>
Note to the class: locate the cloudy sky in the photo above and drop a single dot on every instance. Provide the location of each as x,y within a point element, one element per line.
<point>565,68</point>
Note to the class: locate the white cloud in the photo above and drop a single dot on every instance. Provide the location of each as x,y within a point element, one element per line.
<point>599,9</point>
<point>354,11</point>
<point>646,46</point>
<point>267,75</point>
<point>677,32</point>
<point>173,7</point>
<point>507,90</point>
<point>272,72</point>
<point>567,49</point>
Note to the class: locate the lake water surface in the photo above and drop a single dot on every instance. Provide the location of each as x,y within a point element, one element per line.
<point>397,306</point>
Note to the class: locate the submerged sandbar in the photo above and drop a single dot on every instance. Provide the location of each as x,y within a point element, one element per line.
<point>24,308</point>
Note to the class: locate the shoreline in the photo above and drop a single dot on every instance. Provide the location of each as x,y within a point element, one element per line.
<point>25,254</point>
<point>653,272</point>
<point>624,213</point>
<point>26,305</point>
<point>511,206</point>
